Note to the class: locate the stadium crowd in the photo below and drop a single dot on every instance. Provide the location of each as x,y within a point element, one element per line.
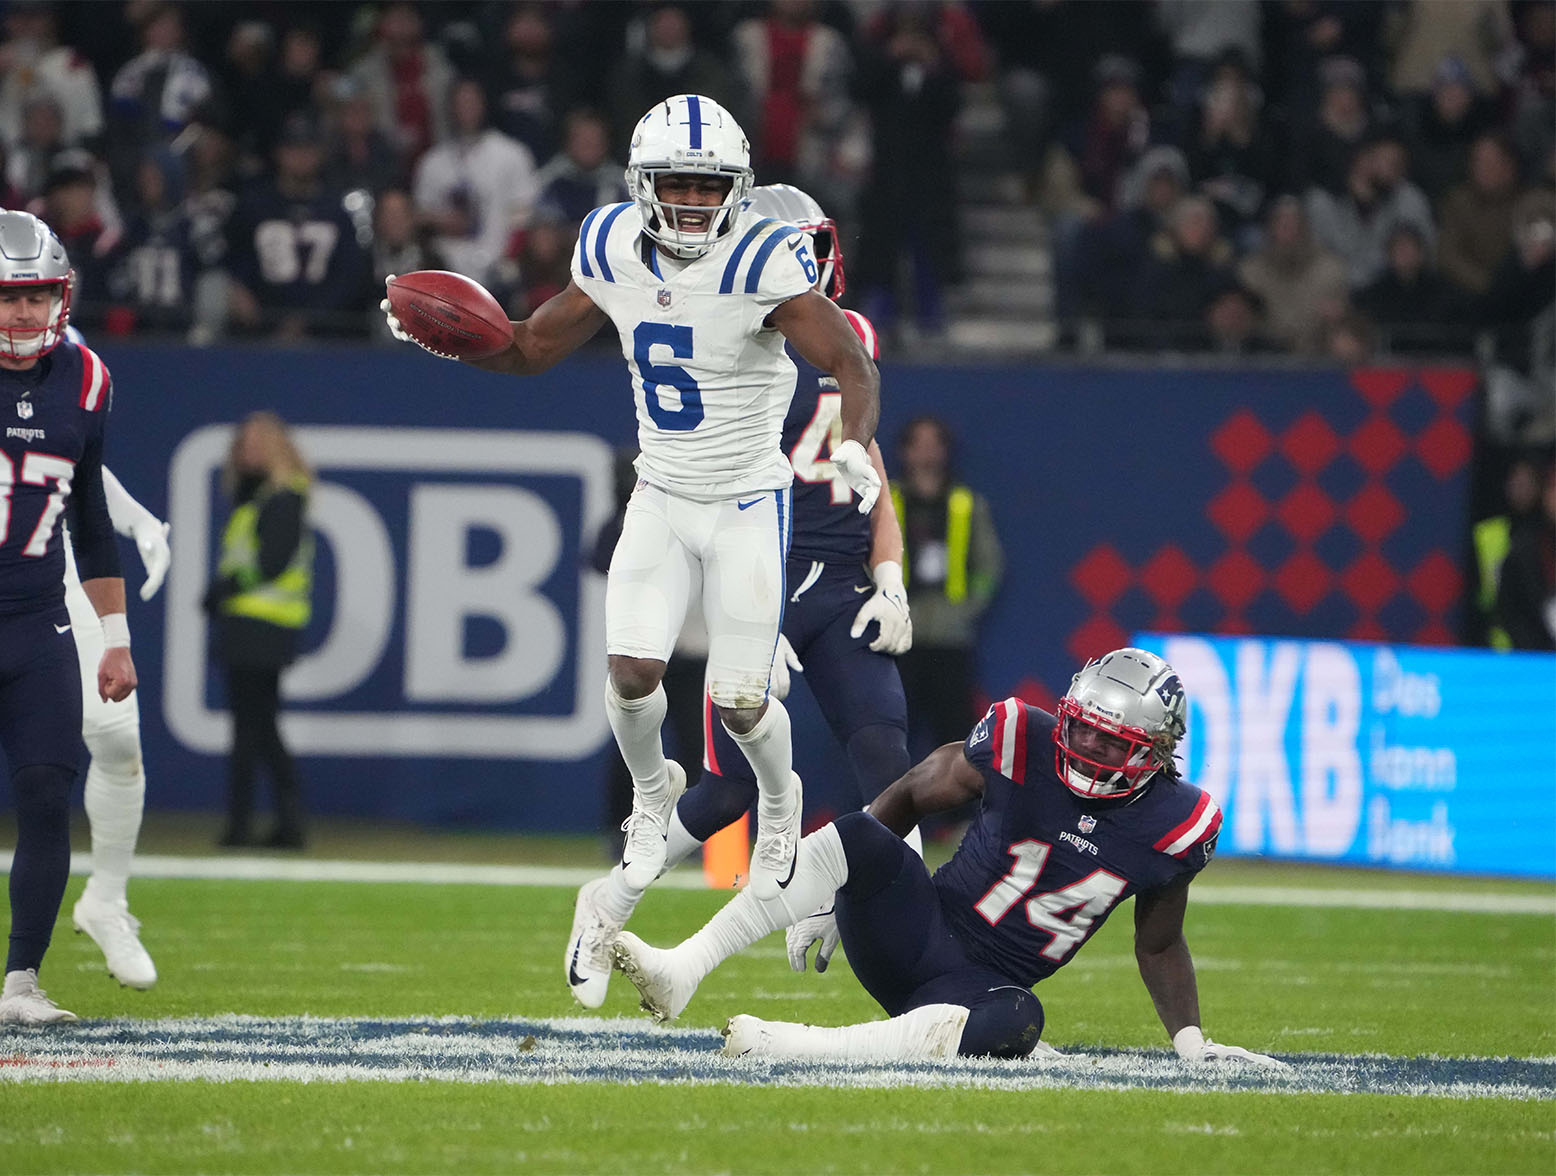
<point>1299,176</point>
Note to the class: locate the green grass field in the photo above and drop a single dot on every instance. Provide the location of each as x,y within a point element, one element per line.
<point>1292,980</point>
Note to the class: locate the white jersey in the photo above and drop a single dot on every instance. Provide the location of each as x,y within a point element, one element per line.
<point>711,382</point>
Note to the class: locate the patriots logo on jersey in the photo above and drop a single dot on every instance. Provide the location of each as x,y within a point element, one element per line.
<point>24,409</point>
<point>981,731</point>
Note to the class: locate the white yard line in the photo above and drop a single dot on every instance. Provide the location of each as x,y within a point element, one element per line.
<point>265,868</point>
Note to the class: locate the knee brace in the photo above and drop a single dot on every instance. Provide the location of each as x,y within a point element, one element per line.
<point>879,755</point>
<point>1004,1023</point>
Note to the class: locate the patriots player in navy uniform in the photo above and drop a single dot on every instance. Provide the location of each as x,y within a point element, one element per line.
<point>51,461</point>
<point>837,557</point>
<point>1077,812</point>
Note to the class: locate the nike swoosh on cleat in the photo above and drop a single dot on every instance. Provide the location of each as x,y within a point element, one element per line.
<point>747,505</point>
<point>62,628</point>
<point>794,861</point>
<point>573,978</point>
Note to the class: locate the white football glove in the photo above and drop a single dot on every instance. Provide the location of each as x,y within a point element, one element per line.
<point>1193,1046</point>
<point>852,461</point>
<point>151,541</point>
<point>889,606</point>
<point>784,660</point>
<point>818,928</point>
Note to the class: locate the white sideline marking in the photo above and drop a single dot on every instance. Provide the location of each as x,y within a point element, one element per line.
<point>273,869</point>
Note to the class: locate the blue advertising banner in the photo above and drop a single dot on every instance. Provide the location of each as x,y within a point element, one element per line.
<point>454,667</point>
<point>1377,755</point>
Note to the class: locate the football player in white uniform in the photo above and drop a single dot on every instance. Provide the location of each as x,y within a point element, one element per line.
<point>703,294</point>
<point>116,777</point>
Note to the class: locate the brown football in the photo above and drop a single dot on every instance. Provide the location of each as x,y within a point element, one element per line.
<point>450,314</point>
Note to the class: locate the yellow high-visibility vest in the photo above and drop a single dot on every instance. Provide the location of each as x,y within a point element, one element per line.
<point>1493,539</point>
<point>286,600</point>
<point>958,538</point>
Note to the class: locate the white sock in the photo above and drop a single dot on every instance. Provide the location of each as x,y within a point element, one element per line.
<point>768,749</point>
<point>636,723</point>
<point>819,870</point>
<point>115,801</point>
<point>619,898</point>
<point>930,1031</point>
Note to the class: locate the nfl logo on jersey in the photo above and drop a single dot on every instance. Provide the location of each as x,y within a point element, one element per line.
<point>664,298</point>
<point>24,409</point>
<point>1087,823</point>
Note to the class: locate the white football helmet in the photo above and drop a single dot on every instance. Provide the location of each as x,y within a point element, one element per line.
<point>785,202</point>
<point>31,255</point>
<point>687,135</point>
<point>1119,724</point>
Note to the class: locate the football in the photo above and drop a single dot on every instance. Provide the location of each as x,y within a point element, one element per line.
<point>449,314</point>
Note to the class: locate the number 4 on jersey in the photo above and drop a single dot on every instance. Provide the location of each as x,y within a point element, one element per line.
<point>1066,914</point>
<point>823,434</point>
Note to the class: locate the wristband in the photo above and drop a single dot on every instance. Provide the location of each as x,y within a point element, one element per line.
<point>888,576</point>
<point>116,631</point>
<point>1189,1041</point>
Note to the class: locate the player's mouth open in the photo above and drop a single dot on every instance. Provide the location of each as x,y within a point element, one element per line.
<point>694,222</point>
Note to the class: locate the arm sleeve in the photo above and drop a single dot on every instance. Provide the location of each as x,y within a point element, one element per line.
<point>125,512</point>
<point>280,531</point>
<point>91,528</point>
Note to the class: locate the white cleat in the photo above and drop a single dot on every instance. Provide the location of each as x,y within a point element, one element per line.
<point>648,831</point>
<point>746,1037</point>
<point>653,974</point>
<point>117,933</point>
<point>776,852</point>
<point>22,1002</point>
<point>588,959</point>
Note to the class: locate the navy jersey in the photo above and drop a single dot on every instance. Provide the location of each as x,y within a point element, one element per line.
<point>297,254</point>
<point>827,522</point>
<point>51,460</point>
<point>1039,870</point>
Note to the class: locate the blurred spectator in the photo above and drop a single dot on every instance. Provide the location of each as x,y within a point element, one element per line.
<point>359,154</point>
<point>1477,216</point>
<point>10,194</point>
<point>400,245</point>
<point>529,91</point>
<point>582,176</point>
<point>208,206</point>
<point>1232,324</point>
<point>1526,589</point>
<point>797,72</point>
<point>542,258</point>
<point>1301,284</point>
<point>666,62</point>
<point>908,80</point>
<point>476,188</point>
<point>1411,300</point>
<point>1534,89</point>
<point>1323,148</point>
<point>1191,264</point>
<point>1299,35</point>
<point>1440,126</point>
<point>407,81</point>
<point>266,87</point>
<point>155,95</point>
<point>71,208</point>
<point>33,64</point>
<point>1420,33</point>
<point>1114,134</point>
<point>1098,276</point>
<point>32,155</point>
<point>151,280</point>
<point>1492,539</point>
<point>1377,198</point>
<point>1350,339</point>
<point>297,265</point>
<point>1230,158</point>
<point>1201,32</point>
<point>952,562</point>
<point>1518,306</point>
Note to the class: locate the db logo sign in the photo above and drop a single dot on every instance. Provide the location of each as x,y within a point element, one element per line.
<point>453,615</point>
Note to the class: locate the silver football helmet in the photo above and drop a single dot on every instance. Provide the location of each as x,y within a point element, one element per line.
<point>687,135</point>
<point>32,256</point>
<point>1119,724</point>
<point>785,202</point>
